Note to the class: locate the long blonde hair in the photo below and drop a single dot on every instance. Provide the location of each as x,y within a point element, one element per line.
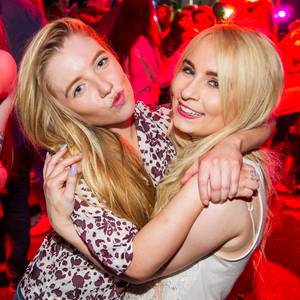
<point>250,76</point>
<point>111,170</point>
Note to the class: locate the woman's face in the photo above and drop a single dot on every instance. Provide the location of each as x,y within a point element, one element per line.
<point>197,108</point>
<point>87,79</point>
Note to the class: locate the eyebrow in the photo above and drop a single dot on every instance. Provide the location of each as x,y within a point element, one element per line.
<point>211,73</point>
<point>188,62</point>
<point>78,77</point>
<point>208,73</point>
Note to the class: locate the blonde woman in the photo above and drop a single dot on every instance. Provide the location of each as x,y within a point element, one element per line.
<point>229,79</point>
<point>74,99</point>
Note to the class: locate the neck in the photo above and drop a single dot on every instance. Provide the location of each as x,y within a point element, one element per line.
<point>127,132</point>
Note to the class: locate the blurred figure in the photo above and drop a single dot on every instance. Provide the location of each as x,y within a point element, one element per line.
<point>189,8</point>
<point>136,40</point>
<point>286,139</point>
<point>55,9</point>
<point>21,20</point>
<point>7,82</point>
<point>182,31</point>
<point>258,15</point>
<point>90,11</point>
<point>203,17</point>
<point>39,5</point>
<point>164,18</point>
<point>107,22</point>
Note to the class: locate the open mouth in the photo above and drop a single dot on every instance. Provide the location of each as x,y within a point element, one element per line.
<point>188,112</point>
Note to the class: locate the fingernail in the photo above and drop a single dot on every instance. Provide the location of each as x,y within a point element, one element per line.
<point>47,154</point>
<point>73,170</point>
<point>63,147</point>
<point>205,202</point>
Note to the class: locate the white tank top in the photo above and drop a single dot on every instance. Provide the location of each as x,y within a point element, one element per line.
<point>212,277</point>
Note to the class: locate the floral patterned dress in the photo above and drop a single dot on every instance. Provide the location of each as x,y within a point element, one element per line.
<point>59,271</point>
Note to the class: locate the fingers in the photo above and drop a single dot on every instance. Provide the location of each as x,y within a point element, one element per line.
<point>248,183</point>
<point>53,160</point>
<point>65,164</point>
<point>234,178</point>
<point>215,181</point>
<point>62,186</point>
<point>203,182</point>
<point>48,157</point>
<point>190,172</point>
<point>218,180</point>
<point>71,183</point>
<point>55,185</point>
<point>225,180</point>
<point>55,164</point>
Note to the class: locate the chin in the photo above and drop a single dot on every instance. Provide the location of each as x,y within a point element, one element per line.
<point>183,128</point>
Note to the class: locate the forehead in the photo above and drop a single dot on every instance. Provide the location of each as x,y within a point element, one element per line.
<point>71,60</point>
<point>202,52</point>
<point>76,45</point>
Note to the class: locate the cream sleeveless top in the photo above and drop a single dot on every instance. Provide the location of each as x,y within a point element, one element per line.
<point>209,278</point>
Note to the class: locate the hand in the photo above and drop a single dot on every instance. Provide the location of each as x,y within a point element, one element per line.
<point>218,172</point>
<point>59,185</point>
<point>249,182</point>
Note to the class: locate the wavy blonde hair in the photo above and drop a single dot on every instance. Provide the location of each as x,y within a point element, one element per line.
<point>250,76</point>
<point>112,170</point>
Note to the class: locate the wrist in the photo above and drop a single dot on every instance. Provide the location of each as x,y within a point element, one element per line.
<point>235,141</point>
<point>60,221</point>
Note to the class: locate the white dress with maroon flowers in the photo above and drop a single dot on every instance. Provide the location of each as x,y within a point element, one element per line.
<point>59,271</point>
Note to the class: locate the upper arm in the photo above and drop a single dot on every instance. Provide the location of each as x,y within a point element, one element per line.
<point>215,226</point>
<point>108,238</point>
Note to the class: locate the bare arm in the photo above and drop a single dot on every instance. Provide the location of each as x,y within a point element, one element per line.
<point>165,232</point>
<point>7,83</point>
<point>225,227</point>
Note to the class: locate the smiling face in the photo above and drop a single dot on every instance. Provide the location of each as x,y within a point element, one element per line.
<point>197,108</point>
<point>88,80</point>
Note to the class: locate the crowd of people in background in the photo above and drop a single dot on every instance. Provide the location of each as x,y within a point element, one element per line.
<point>148,42</point>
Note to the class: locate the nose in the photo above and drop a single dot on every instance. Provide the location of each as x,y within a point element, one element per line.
<point>191,91</point>
<point>104,86</point>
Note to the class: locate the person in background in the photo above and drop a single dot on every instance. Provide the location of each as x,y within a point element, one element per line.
<point>181,33</point>
<point>136,40</point>
<point>7,82</point>
<point>286,139</point>
<point>164,18</point>
<point>203,17</point>
<point>21,20</point>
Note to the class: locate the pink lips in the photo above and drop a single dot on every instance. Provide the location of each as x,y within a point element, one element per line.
<point>183,113</point>
<point>118,100</point>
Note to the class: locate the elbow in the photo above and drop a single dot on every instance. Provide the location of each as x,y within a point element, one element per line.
<point>138,276</point>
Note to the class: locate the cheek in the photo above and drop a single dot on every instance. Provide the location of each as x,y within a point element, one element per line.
<point>214,107</point>
<point>176,86</point>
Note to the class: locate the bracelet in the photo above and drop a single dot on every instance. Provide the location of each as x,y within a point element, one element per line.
<point>1,140</point>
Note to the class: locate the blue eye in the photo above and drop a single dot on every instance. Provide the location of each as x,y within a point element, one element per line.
<point>188,70</point>
<point>78,90</point>
<point>101,62</point>
<point>214,83</point>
